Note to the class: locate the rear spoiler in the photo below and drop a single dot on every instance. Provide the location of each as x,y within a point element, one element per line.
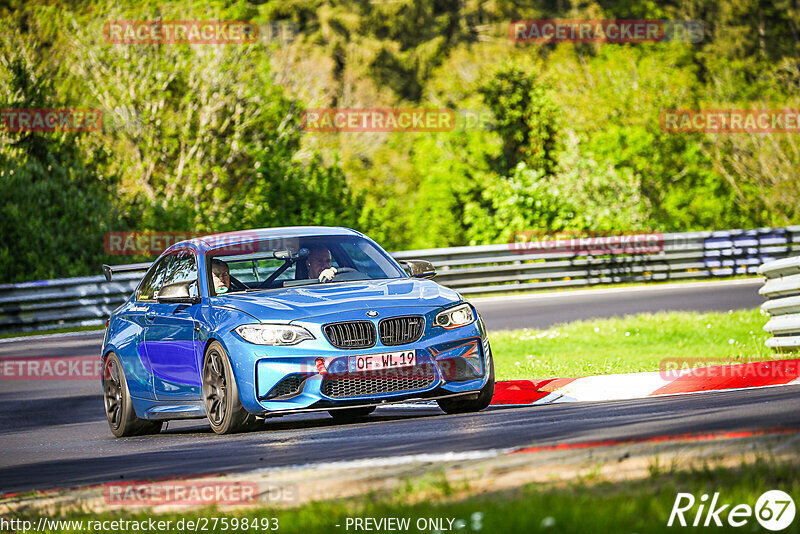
<point>109,270</point>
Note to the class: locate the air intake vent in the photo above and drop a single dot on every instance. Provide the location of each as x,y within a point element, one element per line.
<point>288,387</point>
<point>351,334</point>
<point>364,383</point>
<point>401,330</point>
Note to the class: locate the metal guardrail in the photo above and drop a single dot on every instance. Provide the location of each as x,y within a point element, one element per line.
<point>782,288</point>
<point>487,269</point>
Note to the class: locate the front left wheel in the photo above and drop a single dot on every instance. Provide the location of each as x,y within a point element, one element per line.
<point>119,408</point>
<point>225,412</point>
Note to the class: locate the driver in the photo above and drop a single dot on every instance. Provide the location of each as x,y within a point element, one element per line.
<point>221,275</point>
<point>319,264</point>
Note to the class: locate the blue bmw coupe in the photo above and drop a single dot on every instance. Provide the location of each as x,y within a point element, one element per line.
<point>247,325</point>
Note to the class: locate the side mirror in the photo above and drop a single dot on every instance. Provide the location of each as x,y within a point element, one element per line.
<point>178,293</point>
<point>419,268</point>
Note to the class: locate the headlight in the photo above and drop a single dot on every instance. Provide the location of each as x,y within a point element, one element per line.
<point>273,334</point>
<point>461,315</point>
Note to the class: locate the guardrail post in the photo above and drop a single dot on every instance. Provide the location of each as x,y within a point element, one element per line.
<point>782,288</point>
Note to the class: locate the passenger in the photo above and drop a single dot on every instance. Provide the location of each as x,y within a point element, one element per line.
<point>221,275</point>
<point>319,264</point>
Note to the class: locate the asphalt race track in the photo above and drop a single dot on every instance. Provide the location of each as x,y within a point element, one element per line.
<point>54,433</point>
<point>541,311</point>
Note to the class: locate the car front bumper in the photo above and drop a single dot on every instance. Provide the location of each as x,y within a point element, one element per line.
<point>274,380</point>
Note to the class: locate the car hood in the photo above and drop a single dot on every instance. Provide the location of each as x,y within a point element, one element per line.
<point>302,302</point>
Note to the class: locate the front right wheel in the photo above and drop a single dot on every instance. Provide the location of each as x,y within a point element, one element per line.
<point>225,412</point>
<point>484,398</point>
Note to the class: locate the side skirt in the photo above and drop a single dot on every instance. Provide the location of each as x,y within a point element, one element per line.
<point>163,410</point>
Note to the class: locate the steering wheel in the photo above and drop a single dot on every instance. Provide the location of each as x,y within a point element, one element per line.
<point>343,270</point>
<point>339,270</point>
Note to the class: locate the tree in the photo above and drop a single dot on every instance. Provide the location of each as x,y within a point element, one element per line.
<point>526,119</point>
<point>56,206</point>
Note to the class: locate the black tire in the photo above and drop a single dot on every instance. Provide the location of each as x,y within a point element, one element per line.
<point>461,405</point>
<point>346,415</point>
<point>117,400</point>
<point>224,410</point>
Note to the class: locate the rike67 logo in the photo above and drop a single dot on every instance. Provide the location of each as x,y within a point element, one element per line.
<point>774,510</point>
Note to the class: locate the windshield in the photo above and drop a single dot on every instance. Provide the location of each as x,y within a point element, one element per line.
<point>287,262</point>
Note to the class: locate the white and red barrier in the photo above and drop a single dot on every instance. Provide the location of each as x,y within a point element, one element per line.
<point>641,385</point>
<point>782,288</point>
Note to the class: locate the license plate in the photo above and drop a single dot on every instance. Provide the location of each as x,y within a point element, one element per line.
<point>386,360</point>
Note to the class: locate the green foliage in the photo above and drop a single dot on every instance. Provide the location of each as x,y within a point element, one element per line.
<point>287,193</point>
<point>526,200</point>
<point>56,205</point>
<point>525,119</point>
<point>446,204</point>
<point>207,138</point>
<point>202,139</point>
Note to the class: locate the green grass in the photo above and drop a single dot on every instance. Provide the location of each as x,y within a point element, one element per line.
<point>630,344</point>
<point>588,505</point>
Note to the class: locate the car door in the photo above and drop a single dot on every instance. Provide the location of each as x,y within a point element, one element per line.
<point>171,335</point>
<point>136,315</point>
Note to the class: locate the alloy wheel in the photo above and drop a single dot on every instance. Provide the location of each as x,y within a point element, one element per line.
<point>112,388</point>
<point>215,387</point>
